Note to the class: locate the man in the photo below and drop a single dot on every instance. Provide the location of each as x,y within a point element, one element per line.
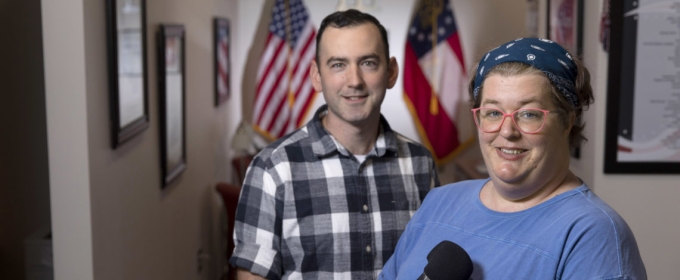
<point>330,200</point>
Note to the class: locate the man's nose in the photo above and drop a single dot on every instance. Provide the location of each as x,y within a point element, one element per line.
<point>354,77</point>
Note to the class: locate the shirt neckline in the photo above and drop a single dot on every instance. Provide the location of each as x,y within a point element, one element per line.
<point>540,206</point>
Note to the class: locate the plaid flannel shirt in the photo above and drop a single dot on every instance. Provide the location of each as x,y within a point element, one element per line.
<point>308,209</point>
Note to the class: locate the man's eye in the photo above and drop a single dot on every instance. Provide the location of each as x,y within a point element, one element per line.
<point>336,65</point>
<point>369,63</point>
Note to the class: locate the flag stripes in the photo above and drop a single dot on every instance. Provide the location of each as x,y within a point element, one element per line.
<point>284,90</point>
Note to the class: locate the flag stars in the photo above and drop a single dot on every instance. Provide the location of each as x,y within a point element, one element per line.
<point>413,31</point>
<point>441,31</point>
<point>421,37</point>
<point>448,20</point>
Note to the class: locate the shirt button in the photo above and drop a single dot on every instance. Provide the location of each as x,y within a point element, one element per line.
<point>368,249</point>
<point>365,207</point>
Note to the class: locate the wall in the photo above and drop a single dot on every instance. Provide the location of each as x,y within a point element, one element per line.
<point>64,63</point>
<point>24,181</point>
<point>111,218</point>
<point>647,202</point>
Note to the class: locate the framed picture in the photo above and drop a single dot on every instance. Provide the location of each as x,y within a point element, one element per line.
<point>643,94</point>
<point>565,27</point>
<point>565,24</point>
<point>171,96</point>
<point>126,33</point>
<point>222,58</point>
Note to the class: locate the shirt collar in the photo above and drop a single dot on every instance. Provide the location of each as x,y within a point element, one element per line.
<point>323,144</point>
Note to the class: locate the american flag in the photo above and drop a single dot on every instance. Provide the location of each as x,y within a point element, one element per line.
<point>284,90</point>
<point>434,79</point>
<point>222,47</point>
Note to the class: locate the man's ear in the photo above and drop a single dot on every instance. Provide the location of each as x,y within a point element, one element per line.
<point>392,72</point>
<point>316,76</point>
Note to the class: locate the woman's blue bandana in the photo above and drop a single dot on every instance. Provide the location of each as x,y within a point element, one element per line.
<point>542,54</point>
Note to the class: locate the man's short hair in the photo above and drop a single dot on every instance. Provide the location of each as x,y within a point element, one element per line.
<point>350,18</point>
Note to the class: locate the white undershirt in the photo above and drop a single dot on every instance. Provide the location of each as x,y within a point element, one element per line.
<point>361,158</point>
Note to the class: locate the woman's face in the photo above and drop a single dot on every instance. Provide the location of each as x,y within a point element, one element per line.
<point>521,164</point>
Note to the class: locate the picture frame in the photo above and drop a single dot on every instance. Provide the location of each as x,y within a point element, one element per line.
<point>127,69</point>
<point>172,101</point>
<point>565,27</point>
<point>565,24</point>
<point>222,56</point>
<point>642,134</point>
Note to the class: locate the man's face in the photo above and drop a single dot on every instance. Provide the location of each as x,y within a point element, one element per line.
<point>353,73</point>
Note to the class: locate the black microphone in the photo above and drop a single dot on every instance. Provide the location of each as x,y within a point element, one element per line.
<point>448,261</point>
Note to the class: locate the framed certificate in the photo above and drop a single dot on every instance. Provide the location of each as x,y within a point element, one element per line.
<point>126,25</point>
<point>171,96</point>
<point>643,94</point>
<point>565,27</point>
<point>565,24</point>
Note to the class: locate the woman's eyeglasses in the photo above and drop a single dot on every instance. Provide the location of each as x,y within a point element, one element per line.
<point>527,120</point>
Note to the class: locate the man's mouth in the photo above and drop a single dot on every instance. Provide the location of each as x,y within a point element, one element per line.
<point>352,98</point>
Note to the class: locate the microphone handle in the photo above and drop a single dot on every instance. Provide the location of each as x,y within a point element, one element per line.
<point>423,277</point>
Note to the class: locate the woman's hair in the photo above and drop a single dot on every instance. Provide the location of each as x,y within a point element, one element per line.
<point>584,93</point>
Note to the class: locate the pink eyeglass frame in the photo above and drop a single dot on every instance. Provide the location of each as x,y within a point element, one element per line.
<point>474,115</point>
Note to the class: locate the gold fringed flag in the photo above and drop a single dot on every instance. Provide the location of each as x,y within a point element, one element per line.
<point>435,78</point>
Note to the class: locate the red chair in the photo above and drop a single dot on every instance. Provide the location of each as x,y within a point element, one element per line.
<point>230,194</point>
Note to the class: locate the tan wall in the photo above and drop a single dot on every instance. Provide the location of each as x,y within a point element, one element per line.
<point>138,230</point>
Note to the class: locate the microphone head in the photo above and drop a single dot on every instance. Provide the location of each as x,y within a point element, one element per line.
<point>448,261</point>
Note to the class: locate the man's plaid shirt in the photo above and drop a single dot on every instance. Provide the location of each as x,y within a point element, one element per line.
<point>308,209</point>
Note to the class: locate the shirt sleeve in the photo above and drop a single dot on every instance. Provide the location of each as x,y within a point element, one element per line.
<point>257,226</point>
<point>604,248</point>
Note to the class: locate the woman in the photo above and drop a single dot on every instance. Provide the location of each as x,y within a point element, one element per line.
<point>533,218</point>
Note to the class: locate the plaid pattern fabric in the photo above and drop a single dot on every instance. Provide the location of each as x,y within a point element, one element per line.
<point>308,209</point>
